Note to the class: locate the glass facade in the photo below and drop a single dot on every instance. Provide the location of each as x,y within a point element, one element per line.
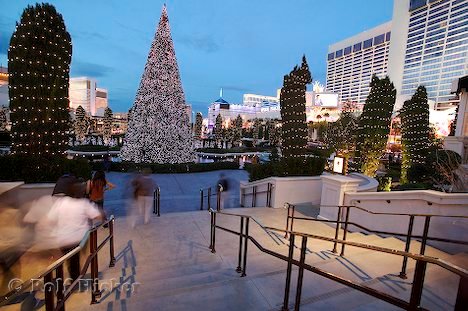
<point>350,69</point>
<point>437,47</point>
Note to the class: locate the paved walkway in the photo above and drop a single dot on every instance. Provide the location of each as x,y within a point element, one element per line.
<point>179,192</point>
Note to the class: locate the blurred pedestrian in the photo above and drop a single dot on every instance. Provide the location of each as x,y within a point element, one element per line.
<point>223,187</point>
<point>96,187</point>
<point>143,190</point>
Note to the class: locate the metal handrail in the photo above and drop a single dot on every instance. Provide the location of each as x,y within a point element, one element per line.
<point>157,201</point>
<point>58,266</point>
<point>254,193</point>
<point>417,284</point>
<point>392,214</point>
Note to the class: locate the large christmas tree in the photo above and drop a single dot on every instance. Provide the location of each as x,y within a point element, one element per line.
<point>39,64</point>
<point>294,129</point>
<point>159,129</point>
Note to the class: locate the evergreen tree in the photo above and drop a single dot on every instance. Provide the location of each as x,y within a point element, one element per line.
<point>218,129</point>
<point>198,125</point>
<point>3,119</point>
<point>107,126</point>
<point>159,130</point>
<point>341,135</point>
<point>80,124</point>
<point>415,133</point>
<point>39,65</point>
<point>374,124</point>
<point>294,133</point>
<point>256,130</point>
<point>274,133</point>
<point>237,128</point>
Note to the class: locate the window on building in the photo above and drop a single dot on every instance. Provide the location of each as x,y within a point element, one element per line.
<point>347,50</point>
<point>339,53</point>
<point>415,4</point>
<point>357,47</point>
<point>368,43</point>
<point>331,56</point>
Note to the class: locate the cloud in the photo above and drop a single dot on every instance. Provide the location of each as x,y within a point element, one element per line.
<point>80,68</point>
<point>205,43</point>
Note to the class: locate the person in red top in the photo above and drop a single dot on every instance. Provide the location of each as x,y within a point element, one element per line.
<point>96,187</point>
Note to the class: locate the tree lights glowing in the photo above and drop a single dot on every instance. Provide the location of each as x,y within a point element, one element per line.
<point>159,129</point>
<point>294,127</point>
<point>38,62</point>
<point>374,124</point>
<point>415,132</point>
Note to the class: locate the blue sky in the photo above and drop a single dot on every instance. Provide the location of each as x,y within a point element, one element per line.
<point>243,46</point>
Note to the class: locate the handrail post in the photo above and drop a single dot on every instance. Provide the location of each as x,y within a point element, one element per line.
<point>287,221</point>
<point>407,247</point>
<point>159,202</point>
<point>209,198</point>
<point>211,230</point>
<point>154,201</point>
<point>213,249</point>
<point>60,287</point>
<point>246,242</point>
<point>292,217</point>
<point>201,199</point>
<point>268,198</point>
<point>111,243</point>
<point>462,295</point>
<point>49,292</point>
<point>427,222</point>
<point>94,268</point>
<point>337,229</point>
<point>254,196</point>
<point>345,230</point>
<point>300,275</point>
<point>418,284</point>
<point>242,197</point>
<point>239,259</point>
<point>288,274</point>
<point>218,199</point>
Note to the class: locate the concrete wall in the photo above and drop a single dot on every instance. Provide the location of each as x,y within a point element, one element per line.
<point>22,194</point>
<point>417,202</point>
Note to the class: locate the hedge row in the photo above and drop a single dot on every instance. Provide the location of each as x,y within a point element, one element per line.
<point>311,166</point>
<point>33,169</point>
<point>233,150</point>
<point>94,148</point>
<point>168,168</point>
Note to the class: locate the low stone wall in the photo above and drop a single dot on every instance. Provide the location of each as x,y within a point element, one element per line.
<point>22,194</point>
<point>414,202</point>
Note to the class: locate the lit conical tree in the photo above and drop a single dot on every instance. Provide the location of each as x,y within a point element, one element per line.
<point>198,125</point>
<point>159,129</point>
<point>414,132</point>
<point>39,64</point>
<point>293,116</point>
<point>374,124</point>
<point>107,126</point>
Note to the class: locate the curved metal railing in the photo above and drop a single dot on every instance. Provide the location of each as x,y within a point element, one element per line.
<point>49,276</point>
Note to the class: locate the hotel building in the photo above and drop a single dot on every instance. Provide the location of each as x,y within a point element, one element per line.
<point>352,62</point>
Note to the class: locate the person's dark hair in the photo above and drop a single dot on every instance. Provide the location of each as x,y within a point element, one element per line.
<point>99,175</point>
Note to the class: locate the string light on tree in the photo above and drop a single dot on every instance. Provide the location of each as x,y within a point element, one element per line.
<point>159,129</point>
<point>374,124</point>
<point>415,133</point>
<point>38,82</point>
<point>294,128</point>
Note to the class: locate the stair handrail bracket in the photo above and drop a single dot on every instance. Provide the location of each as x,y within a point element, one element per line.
<point>55,271</point>
<point>422,260</point>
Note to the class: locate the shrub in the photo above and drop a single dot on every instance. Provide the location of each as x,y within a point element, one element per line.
<point>385,183</point>
<point>311,166</point>
<point>93,148</point>
<point>33,169</point>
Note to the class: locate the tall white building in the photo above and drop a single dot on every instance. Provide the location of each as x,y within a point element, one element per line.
<point>102,101</point>
<point>429,47</point>
<point>352,62</point>
<point>82,92</point>
<point>426,43</point>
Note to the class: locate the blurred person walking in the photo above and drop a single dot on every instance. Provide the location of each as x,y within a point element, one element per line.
<point>96,187</point>
<point>223,187</point>
<point>143,191</point>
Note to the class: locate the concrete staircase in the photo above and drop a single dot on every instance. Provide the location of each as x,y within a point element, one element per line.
<point>167,265</point>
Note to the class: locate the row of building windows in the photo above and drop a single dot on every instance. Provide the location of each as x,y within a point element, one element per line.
<point>361,45</point>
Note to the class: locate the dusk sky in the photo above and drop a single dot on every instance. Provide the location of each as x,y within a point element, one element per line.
<point>241,46</point>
